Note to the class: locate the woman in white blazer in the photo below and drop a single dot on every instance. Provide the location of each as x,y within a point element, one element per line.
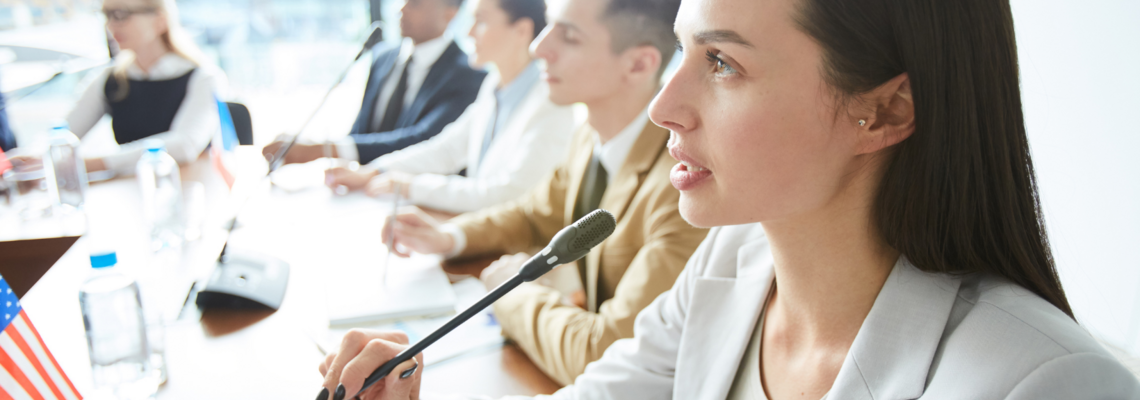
<point>510,138</point>
<point>879,234</point>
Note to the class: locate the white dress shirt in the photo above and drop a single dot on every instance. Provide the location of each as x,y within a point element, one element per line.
<point>532,139</point>
<point>194,124</point>
<point>613,154</point>
<point>424,56</point>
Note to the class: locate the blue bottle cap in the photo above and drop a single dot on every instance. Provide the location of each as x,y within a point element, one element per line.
<point>155,145</point>
<point>103,259</point>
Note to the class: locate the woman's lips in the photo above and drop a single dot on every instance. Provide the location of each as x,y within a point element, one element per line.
<point>686,174</point>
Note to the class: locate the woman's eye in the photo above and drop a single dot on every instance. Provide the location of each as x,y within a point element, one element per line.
<point>720,67</point>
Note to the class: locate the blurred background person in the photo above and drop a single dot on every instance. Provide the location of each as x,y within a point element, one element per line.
<point>508,140</point>
<point>414,90</point>
<point>157,88</point>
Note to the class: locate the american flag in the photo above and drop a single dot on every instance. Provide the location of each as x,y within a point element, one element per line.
<point>29,370</point>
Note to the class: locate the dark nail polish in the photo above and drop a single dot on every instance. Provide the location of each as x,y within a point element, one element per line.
<point>339,393</point>
<point>408,372</point>
<point>324,395</point>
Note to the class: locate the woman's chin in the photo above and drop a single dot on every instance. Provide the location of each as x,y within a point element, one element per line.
<point>698,212</point>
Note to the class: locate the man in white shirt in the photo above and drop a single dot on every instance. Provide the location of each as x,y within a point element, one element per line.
<point>413,90</point>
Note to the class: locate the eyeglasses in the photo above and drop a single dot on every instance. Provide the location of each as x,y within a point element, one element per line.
<point>123,14</point>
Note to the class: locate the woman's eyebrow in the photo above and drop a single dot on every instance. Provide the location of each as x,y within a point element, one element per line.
<point>720,36</point>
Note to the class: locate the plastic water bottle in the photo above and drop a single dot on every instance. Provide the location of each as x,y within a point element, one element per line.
<point>65,168</point>
<point>162,196</point>
<point>116,332</point>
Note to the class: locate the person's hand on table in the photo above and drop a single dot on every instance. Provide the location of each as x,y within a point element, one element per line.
<point>415,231</point>
<point>363,351</point>
<point>386,183</point>
<point>349,178</point>
<point>502,269</point>
<point>299,153</point>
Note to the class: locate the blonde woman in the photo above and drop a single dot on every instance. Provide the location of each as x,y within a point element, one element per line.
<point>157,88</point>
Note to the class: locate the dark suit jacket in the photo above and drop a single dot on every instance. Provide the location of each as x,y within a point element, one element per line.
<point>451,85</point>
<point>7,138</point>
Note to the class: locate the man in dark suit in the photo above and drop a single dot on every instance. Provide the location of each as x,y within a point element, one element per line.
<point>413,90</point>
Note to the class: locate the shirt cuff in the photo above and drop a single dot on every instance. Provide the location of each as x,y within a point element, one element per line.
<point>457,236</point>
<point>346,149</point>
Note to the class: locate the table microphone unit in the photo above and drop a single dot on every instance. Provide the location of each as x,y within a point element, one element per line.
<point>375,37</point>
<point>244,280</point>
<point>568,245</point>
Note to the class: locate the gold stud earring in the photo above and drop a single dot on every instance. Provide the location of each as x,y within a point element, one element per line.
<point>862,122</point>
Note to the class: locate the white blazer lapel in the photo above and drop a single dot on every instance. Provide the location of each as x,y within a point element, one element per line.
<point>718,327</point>
<point>483,109</point>
<point>893,351</point>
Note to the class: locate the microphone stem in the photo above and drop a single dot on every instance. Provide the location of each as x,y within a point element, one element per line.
<point>455,321</point>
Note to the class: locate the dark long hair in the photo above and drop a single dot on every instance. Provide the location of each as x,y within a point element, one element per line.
<point>960,194</point>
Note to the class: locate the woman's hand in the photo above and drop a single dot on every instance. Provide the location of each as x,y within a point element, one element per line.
<point>387,182</point>
<point>416,231</point>
<point>348,178</point>
<point>363,351</point>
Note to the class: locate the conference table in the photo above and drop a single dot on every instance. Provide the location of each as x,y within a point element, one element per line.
<point>248,354</point>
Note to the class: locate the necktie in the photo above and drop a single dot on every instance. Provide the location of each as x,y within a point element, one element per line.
<point>396,102</point>
<point>593,186</point>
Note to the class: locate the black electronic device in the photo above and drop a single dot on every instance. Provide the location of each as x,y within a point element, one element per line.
<point>245,282</point>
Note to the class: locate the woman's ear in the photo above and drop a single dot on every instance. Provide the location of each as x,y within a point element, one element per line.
<point>885,116</point>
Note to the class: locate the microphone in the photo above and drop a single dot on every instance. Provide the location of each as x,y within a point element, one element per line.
<point>375,37</point>
<point>568,245</point>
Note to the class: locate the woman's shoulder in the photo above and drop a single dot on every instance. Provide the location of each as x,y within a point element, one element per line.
<point>1004,334</point>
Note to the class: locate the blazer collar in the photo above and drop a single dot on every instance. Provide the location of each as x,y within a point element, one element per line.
<point>649,147</point>
<point>384,58</point>
<point>437,78</point>
<point>893,351</point>
<point>724,311</point>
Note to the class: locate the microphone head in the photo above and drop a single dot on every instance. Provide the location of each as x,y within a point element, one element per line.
<point>571,243</point>
<point>375,37</point>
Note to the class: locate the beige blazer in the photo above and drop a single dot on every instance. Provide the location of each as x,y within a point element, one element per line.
<point>623,275</point>
<point>928,336</point>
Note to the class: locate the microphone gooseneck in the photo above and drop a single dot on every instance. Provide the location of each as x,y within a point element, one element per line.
<point>279,157</point>
<point>568,245</point>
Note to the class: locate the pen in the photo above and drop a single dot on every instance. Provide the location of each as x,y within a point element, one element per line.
<point>391,233</point>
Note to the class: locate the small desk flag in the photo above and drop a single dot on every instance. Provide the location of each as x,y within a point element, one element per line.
<point>29,369</point>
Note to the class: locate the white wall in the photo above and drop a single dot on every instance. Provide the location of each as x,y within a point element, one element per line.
<point>1080,79</point>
